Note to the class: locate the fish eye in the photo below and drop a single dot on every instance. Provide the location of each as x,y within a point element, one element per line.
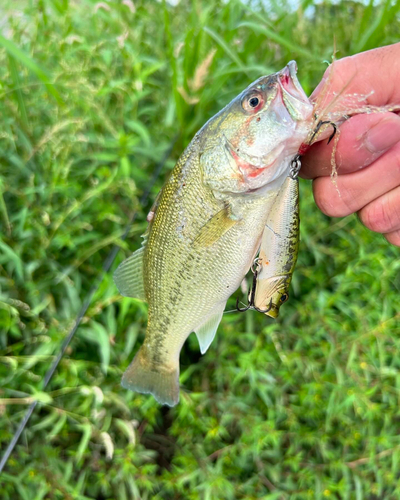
<point>253,102</point>
<point>284,297</point>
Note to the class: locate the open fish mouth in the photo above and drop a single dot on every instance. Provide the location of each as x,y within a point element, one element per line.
<point>290,84</point>
<point>293,95</point>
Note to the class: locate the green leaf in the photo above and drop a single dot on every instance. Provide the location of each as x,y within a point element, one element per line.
<point>272,35</point>
<point>86,435</point>
<point>225,47</point>
<point>30,64</point>
<point>42,397</point>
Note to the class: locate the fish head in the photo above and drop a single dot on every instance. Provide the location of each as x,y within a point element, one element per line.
<point>260,132</point>
<point>271,294</point>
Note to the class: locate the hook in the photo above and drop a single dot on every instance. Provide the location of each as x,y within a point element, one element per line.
<point>333,133</point>
<point>252,294</point>
<point>319,125</point>
<point>241,309</point>
<point>266,310</point>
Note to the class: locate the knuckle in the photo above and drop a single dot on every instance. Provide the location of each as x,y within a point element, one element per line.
<point>330,202</point>
<point>382,215</point>
<point>375,217</point>
<point>393,238</point>
<point>323,201</point>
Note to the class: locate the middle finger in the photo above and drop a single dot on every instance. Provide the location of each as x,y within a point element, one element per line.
<point>357,189</point>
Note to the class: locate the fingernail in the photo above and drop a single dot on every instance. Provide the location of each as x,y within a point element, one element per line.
<point>382,136</point>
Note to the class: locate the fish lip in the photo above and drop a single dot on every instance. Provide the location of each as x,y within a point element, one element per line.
<point>290,84</point>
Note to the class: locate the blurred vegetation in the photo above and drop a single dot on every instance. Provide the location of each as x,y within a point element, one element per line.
<point>92,95</point>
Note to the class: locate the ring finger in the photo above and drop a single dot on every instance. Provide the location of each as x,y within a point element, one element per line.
<point>358,189</point>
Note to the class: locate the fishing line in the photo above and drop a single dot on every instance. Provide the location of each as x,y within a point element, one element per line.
<point>99,278</point>
<point>231,310</point>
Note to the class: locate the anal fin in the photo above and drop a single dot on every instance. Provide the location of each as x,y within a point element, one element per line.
<point>206,332</point>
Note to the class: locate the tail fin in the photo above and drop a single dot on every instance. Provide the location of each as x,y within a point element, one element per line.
<point>161,381</point>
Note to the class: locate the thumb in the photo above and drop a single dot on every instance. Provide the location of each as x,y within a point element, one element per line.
<point>374,73</point>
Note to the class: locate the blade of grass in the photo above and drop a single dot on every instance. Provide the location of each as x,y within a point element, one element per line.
<point>30,64</point>
<point>296,49</point>
<point>376,21</point>
<point>3,209</point>
<point>235,58</point>
<point>172,60</point>
<point>18,93</point>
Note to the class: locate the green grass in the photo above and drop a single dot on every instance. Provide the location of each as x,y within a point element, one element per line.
<point>306,407</point>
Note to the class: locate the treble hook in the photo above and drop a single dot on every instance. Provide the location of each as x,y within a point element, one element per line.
<point>266,310</point>
<point>253,293</point>
<point>319,125</point>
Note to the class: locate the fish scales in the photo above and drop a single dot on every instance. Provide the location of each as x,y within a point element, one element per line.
<point>214,272</point>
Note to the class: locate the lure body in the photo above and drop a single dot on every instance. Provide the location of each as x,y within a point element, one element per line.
<point>279,249</point>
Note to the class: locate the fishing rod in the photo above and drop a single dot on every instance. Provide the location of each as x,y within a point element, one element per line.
<point>99,278</point>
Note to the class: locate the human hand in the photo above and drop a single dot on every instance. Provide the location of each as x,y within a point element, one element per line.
<point>368,152</point>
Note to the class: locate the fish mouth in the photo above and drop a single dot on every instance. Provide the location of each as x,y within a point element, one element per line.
<point>293,95</point>
<point>290,84</point>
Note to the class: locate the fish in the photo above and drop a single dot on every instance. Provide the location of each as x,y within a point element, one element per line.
<point>206,225</point>
<point>278,251</point>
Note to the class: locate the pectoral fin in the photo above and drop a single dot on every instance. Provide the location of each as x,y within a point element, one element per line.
<point>206,332</point>
<point>216,227</point>
<point>129,276</point>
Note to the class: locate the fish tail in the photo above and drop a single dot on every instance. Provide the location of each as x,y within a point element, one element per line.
<point>162,381</point>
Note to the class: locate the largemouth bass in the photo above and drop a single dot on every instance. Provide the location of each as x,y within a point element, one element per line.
<point>279,249</point>
<point>206,226</point>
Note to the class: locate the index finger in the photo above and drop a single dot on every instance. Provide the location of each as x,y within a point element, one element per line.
<point>363,139</point>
